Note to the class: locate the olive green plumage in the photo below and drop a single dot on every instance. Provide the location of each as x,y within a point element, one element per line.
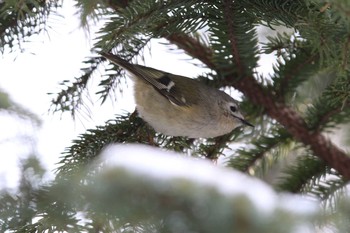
<point>179,106</point>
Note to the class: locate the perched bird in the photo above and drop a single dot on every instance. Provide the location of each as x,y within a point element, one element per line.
<point>179,106</point>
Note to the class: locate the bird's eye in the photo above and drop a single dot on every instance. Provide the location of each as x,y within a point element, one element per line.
<point>233,108</point>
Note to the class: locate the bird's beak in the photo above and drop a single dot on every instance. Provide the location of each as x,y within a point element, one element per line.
<point>243,121</point>
<point>246,122</point>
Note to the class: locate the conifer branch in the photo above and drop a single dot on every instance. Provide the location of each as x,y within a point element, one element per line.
<point>22,19</point>
<point>322,147</point>
<point>285,115</point>
<point>295,124</point>
<point>346,54</point>
<point>213,152</point>
<point>325,118</point>
<point>289,76</point>
<point>193,47</point>
<point>11,23</point>
<point>228,9</point>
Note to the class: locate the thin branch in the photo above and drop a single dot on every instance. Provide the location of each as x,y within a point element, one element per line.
<point>346,54</point>
<point>215,150</point>
<point>295,125</point>
<point>292,73</point>
<point>322,147</point>
<point>193,47</point>
<point>325,118</point>
<point>285,115</point>
<point>258,157</point>
<point>228,9</point>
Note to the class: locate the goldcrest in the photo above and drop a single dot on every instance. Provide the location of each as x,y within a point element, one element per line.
<point>179,106</point>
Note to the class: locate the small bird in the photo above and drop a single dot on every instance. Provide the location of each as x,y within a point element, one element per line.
<point>179,106</point>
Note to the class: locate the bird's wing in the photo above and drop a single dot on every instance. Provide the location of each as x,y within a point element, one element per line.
<point>161,81</point>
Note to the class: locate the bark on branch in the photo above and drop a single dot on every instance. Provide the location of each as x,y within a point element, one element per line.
<point>286,116</point>
<point>295,124</point>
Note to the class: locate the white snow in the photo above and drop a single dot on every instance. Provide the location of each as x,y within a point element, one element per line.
<point>165,165</point>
